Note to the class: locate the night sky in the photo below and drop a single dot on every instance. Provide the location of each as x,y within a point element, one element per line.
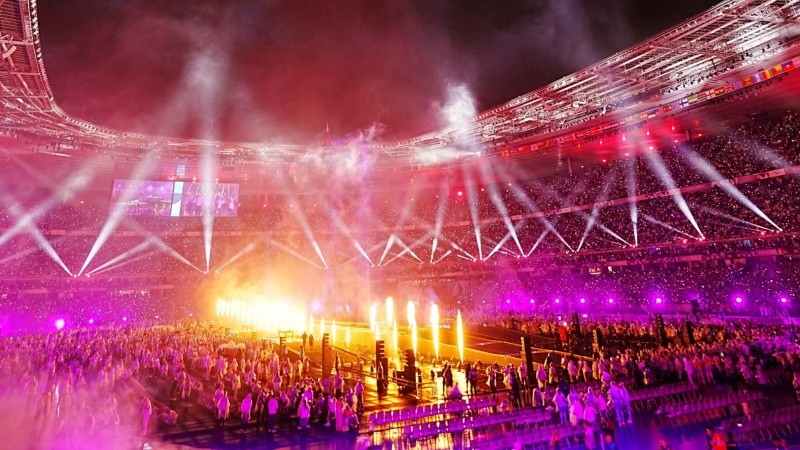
<point>283,69</point>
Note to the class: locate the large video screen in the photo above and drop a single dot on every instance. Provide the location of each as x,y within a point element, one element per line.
<point>225,198</point>
<point>173,198</point>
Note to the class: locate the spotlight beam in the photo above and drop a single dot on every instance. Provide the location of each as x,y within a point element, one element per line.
<point>301,219</point>
<point>319,253</point>
<point>408,249</point>
<point>362,252</point>
<point>291,251</point>
<point>15,210</point>
<point>473,211</point>
<point>124,262</point>
<point>539,241</point>
<point>498,245</point>
<point>660,169</point>
<point>521,196</point>
<point>247,249</point>
<point>440,211</point>
<point>128,253</point>
<point>580,213</point>
<point>372,249</point>
<point>494,196</point>
<point>655,221</point>
<point>444,255</point>
<point>74,184</point>
<point>630,182</point>
<point>337,220</point>
<point>21,254</point>
<point>713,175</point>
<point>455,246</point>
<point>389,243</point>
<point>118,210</point>
<point>719,213</point>
<point>592,219</point>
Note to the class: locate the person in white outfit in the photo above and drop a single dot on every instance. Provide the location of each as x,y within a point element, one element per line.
<point>223,409</point>
<point>246,408</point>
<point>304,412</point>
<point>561,406</point>
<point>147,410</point>
<point>615,393</point>
<point>626,402</point>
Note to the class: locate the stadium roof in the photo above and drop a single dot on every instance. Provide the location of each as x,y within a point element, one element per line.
<point>656,76</point>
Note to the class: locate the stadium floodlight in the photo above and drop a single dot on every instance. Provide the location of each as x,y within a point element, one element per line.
<point>660,169</point>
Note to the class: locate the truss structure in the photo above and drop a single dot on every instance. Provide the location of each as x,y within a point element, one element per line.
<point>733,35</point>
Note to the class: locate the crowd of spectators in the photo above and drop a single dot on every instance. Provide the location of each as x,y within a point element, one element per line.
<point>81,387</point>
<point>728,356</point>
<point>756,147</point>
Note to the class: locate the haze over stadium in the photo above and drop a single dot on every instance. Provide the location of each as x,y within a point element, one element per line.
<point>597,200</point>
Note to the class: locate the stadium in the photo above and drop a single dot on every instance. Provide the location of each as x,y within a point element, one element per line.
<point>609,260</point>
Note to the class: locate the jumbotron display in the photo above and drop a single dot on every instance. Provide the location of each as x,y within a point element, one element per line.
<point>174,198</point>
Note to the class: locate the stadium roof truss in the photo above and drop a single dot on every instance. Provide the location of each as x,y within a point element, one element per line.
<point>731,35</point>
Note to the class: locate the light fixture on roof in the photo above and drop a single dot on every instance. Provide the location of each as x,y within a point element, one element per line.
<point>8,51</point>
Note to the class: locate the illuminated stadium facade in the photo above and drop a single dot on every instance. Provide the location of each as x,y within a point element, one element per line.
<point>579,175</point>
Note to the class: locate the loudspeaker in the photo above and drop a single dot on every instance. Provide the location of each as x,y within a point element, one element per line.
<point>688,333</point>
<point>527,359</point>
<point>409,374</point>
<point>659,330</point>
<point>576,324</point>
<point>381,366</point>
<point>326,355</point>
<point>695,307</point>
<point>597,339</point>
